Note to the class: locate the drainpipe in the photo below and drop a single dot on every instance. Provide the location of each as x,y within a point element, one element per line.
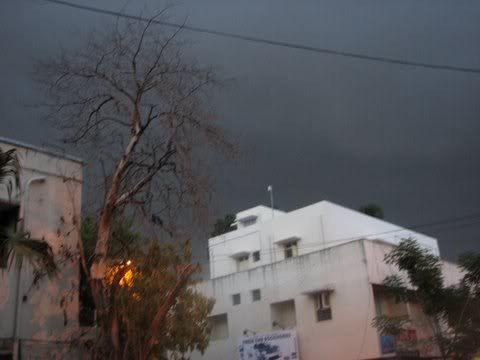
<point>16,324</point>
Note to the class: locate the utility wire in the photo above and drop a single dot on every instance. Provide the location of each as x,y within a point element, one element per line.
<point>285,44</point>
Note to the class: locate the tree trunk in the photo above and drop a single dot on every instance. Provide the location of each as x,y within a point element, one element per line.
<point>98,268</point>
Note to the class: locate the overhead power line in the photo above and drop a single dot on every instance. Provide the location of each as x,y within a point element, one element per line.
<point>285,44</point>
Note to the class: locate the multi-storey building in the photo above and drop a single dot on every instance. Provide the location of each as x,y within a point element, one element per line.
<point>317,271</point>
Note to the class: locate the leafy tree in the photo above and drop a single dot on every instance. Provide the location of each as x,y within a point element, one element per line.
<point>124,240</point>
<point>372,210</point>
<point>223,226</point>
<point>453,310</point>
<point>132,99</point>
<point>155,272</point>
<point>138,273</point>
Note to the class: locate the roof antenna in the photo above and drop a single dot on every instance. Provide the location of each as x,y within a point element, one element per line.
<point>270,190</point>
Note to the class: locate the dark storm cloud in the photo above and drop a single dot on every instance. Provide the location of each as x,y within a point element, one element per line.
<point>315,126</point>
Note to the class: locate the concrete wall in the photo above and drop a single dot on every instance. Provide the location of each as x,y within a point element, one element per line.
<point>342,269</point>
<point>378,270</point>
<point>317,226</point>
<point>49,209</point>
<point>350,270</point>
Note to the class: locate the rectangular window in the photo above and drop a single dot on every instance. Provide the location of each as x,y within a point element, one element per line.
<point>290,250</point>
<point>256,295</point>
<point>236,299</point>
<point>256,256</point>
<point>8,222</point>
<point>249,222</point>
<point>322,306</point>
<point>219,324</point>
<point>283,315</point>
<point>242,263</point>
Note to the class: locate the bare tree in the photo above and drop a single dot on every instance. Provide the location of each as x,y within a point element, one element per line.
<point>132,98</point>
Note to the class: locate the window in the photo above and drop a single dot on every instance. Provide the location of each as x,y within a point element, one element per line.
<point>256,295</point>
<point>283,315</point>
<point>236,299</point>
<point>242,263</point>
<point>322,306</point>
<point>8,222</point>
<point>249,222</point>
<point>219,325</point>
<point>291,250</point>
<point>256,256</point>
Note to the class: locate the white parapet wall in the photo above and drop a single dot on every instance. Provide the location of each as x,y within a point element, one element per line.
<point>311,228</point>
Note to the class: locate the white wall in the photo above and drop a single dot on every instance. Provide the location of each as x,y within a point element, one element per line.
<point>376,250</point>
<point>341,268</point>
<point>51,210</point>
<point>319,226</point>
<point>349,269</point>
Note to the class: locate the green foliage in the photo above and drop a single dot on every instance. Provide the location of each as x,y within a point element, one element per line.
<point>372,210</point>
<point>154,274</point>
<point>424,272</point>
<point>9,168</point>
<point>223,226</point>
<point>124,243</point>
<point>391,325</point>
<point>454,310</point>
<point>470,263</point>
<point>20,248</point>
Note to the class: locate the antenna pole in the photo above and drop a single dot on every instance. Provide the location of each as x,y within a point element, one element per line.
<point>270,190</point>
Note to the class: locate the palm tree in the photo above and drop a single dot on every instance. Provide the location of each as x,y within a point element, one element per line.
<point>16,247</point>
<point>9,168</point>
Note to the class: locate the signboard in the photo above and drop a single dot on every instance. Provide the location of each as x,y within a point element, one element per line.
<point>278,345</point>
<point>403,343</point>
<point>387,343</point>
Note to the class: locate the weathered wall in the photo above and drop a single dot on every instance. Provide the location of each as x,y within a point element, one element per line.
<point>378,270</point>
<point>347,336</point>
<point>349,269</point>
<point>50,209</point>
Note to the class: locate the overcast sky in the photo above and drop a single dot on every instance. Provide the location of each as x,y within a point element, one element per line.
<point>314,126</point>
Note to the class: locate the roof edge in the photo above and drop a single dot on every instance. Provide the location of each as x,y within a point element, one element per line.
<point>40,149</point>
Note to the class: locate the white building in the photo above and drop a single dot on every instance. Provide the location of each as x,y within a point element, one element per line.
<point>38,321</point>
<point>317,270</point>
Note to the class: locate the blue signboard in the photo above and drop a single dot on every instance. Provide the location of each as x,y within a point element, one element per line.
<point>387,343</point>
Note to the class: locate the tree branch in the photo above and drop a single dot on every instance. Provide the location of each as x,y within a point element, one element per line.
<point>183,275</point>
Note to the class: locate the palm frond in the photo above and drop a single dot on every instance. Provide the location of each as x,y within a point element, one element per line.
<point>9,166</point>
<point>21,248</point>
